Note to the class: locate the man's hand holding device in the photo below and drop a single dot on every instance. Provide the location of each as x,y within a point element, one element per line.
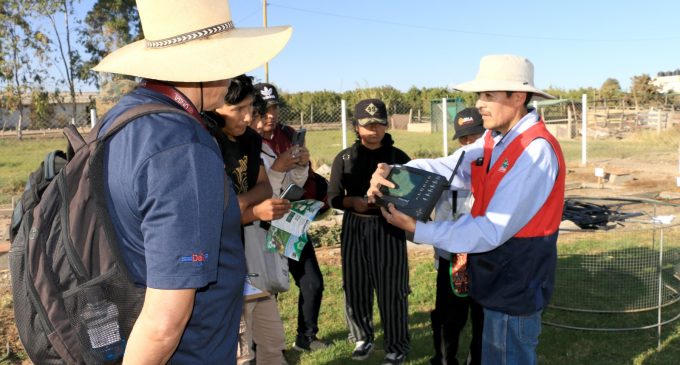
<point>413,190</point>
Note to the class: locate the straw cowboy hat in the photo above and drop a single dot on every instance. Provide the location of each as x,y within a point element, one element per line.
<point>504,73</point>
<point>193,41</point>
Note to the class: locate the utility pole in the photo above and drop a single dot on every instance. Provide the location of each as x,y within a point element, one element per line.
<point>264,17</point>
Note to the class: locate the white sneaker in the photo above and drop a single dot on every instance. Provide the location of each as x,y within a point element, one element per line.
<point>362,350</point>
<point>394,358</point>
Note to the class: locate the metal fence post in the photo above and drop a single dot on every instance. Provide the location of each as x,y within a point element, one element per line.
<point>343,110</point>
<point>569,118</point>
<point>660,303</point>
<point>584,128</point>
<point>445,124</point>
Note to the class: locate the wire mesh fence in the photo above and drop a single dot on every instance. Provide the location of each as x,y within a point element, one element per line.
<point>606,119</point>
<point>624,278</point>
<point>48,116</point>
<point>323,116</point>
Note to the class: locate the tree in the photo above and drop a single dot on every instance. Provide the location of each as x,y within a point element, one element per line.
<point>110,25</point>
<point>41,109</point>
<point>21,48</point>
<point>610,89</point>
<point>643,90</point>
<point>319,106</point>
<point>68,58</point>
<point>573,94</point>
<point>389,95</point>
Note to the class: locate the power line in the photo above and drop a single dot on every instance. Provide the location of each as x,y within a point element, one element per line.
<point>451,30</point>
<point>244,18</point>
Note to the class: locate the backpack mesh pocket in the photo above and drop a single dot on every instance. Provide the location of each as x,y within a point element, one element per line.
<point>102,313</point>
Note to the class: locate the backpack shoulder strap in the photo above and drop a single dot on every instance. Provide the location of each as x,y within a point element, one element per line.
<point>52,165</point>
<point>130,115</point>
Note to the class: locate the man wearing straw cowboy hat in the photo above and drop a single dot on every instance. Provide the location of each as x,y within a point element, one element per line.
<point>173,210</point>
<point>516,173</point>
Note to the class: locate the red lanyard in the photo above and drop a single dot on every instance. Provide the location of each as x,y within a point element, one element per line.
<point>176,96</point>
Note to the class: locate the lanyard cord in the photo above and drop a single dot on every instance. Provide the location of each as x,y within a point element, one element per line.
<point>176,96</point>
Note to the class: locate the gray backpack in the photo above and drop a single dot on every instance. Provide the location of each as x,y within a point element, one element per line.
<point>74,301</point>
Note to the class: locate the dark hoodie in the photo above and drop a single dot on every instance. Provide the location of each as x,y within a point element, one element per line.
<point>353,167</point>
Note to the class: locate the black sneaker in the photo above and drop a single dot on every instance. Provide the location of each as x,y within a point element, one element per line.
<point>313,343</point>
<point>362,350</point>
<point>394,358</point>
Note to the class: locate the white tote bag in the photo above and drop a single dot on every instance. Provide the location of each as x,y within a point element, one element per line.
<point>271,268</point>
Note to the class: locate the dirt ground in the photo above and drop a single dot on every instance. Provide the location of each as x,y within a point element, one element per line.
<point>649,179</point>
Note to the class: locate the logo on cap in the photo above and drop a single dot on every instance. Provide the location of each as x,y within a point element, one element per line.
<point>371,109</point>
<point>267,93</point>
<point>465,121</point>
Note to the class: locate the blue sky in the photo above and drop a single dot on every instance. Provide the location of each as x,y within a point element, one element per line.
<point>344,44</point>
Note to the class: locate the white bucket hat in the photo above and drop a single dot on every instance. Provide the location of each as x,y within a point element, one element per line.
<point>504,73</point>
<point>193,41</point>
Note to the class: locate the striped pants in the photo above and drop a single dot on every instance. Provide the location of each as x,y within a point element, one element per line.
<point>374,258</point>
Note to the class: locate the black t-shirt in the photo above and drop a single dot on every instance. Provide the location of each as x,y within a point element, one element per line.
<point>353,167</point>
<point>242,159</point>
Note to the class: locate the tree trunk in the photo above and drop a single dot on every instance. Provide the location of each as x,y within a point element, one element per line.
<point>74,107</point>
<point>21,120</point>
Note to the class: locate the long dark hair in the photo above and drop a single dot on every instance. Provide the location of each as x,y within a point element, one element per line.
<point>240,87</point>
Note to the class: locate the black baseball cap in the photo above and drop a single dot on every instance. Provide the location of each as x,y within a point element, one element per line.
<point>369,111</point>
<point>268,93</point>
<point>468,121</point>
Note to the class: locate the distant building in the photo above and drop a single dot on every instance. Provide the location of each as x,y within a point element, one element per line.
<point>667,81</point>
<point>61,116</point>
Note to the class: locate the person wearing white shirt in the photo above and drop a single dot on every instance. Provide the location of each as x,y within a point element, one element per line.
<point>516,172</point>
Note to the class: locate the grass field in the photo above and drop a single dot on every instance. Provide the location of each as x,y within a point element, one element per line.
<point>19,158</point>
<point>557,346</point>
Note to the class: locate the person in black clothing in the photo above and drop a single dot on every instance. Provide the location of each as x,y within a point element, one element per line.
<point>452,302</point>
<point>373,252</point>
<point>241,147</point>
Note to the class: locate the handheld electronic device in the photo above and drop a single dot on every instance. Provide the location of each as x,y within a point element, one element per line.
<point>299,137</point>
<point>416,191</point>
<point>293,192</point>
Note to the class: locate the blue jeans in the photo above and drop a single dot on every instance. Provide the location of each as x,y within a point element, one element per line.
<point>510,340</point>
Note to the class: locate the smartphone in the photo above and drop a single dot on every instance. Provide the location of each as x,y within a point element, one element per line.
<point>293,192</point>
<point>299,137</point>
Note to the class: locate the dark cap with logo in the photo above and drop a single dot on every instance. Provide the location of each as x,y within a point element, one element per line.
<point>369,111</point>
<point>468,121</point>
<point>268,93</point>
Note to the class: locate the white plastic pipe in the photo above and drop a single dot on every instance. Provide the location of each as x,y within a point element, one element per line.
<point>445,125</point>
<point>93,118</point>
